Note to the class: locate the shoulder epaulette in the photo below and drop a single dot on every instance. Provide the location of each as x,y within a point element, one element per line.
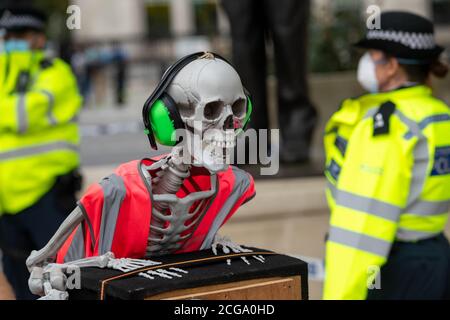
<point>381,118</point>
<point>46,63</point>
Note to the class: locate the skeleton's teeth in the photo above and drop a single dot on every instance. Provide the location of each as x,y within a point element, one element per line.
<point>229,142</point>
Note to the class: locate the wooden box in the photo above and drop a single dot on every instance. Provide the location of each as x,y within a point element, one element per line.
<point>209,277</point>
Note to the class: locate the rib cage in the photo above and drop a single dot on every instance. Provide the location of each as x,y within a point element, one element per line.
<point>168,229</point>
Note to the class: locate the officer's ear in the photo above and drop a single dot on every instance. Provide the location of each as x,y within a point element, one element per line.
<point>390,72</point>
<point>391,67</point>
<point>36,39</point>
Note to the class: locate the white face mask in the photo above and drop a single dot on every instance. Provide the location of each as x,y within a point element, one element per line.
<point>366,73</point>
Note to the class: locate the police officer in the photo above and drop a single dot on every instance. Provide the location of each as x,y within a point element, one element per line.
<point>39,139</point>
<point>388,170</point>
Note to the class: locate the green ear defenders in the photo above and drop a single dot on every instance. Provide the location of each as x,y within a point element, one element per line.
<point>160,113</point>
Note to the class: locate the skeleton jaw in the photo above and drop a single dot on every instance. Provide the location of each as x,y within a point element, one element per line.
<point>216,150</point>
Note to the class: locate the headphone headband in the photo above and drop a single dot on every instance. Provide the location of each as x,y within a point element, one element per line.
<point>166,80</point>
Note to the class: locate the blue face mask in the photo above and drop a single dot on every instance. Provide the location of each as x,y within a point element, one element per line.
<point>16,45</point>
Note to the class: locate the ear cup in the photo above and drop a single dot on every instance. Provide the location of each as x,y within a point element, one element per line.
<point>247,116</point>
<point>249,112</point>
<point>164,119</point>
<point>167,78</point>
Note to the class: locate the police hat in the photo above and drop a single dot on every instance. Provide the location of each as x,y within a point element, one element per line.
<point>17,18</point>
<point>404,35</point>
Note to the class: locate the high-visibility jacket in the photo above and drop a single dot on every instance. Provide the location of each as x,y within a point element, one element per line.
<point>118,212</point>
<point>39,137</point>
<point>388,172</point>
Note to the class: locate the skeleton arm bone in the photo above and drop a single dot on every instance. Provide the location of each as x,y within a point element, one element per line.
<point>38,261</point>
<point>48,252</point>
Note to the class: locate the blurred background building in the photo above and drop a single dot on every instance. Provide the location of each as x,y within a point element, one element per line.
<point>123,47</point>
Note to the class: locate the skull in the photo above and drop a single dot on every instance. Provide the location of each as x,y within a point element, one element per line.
<point>212,104</point>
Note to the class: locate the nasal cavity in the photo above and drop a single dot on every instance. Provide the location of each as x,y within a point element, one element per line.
<point>229,123</point>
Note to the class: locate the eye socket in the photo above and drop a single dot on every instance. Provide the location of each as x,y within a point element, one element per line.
<point>213,110</point>
<point>185,110</point>
<point>239,108</point>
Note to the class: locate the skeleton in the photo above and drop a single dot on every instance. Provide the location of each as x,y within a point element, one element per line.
<point>211,101</point>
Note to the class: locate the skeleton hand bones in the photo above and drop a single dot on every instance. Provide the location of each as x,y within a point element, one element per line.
<point>51,281</point>
<point>228,246</point>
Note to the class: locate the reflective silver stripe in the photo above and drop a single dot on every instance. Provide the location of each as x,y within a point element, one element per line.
<point>37,149</point>
<point>421,158</point>
<point>113,194</point>
<point>332,189</point>
<point>22,123</point>
<point>429,208</point>
<point>88,222</point>
<point>51,104</point>
<point>241,184</point>
<point>411,235</point>
<point>365,204</point>
<point>419,208</point>
<point>359,241</point>
<point>443,117</point>
<point>371,112</point>
<point>76,250</point>
<point>419,172</point>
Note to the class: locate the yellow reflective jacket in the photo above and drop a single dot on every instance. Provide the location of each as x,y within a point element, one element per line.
<point>39,137</point>
<point>388,172</point>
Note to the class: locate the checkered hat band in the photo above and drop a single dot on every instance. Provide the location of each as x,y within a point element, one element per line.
<point>413,40</point>
<point>15,21</point>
